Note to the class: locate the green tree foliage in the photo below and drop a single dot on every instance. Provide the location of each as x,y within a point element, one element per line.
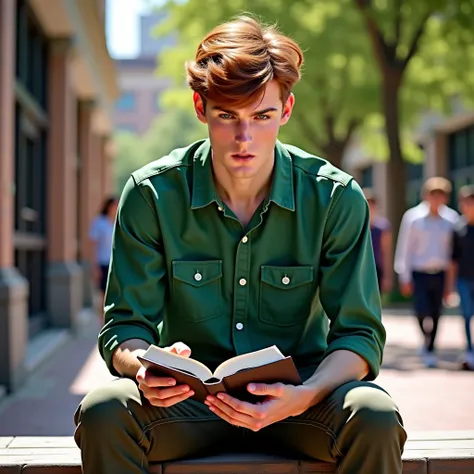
<point>173,129</point>
<point>339,86</point>
<point>424,52</point>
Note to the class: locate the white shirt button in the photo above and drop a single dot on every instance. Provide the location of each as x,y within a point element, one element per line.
<point>197,276</point>
<point>242,282</point>
<point>285,280</point>
<point>245,240</point>
<point>219,208</point>
<point>239,326</point>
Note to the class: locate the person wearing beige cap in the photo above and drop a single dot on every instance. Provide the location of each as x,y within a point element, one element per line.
<point>422,257</point>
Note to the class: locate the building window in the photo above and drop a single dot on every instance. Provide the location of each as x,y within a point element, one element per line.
<point>30,160</point>
<point>367,177</point>
<point>126,102</point>
<point>461,160</point>
<point>414,179</point>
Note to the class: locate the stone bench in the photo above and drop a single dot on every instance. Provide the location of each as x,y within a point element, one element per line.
<point>425,453</point>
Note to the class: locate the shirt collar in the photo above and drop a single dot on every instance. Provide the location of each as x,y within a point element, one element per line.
<point>204,190</point>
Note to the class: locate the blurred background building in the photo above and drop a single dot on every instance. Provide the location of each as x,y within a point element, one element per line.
<point>57,91</point>
<point>138,104</point>
<point>448,149</point>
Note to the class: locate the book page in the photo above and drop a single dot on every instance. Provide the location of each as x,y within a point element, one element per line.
<point>169,359</point>
<point>248,361</point>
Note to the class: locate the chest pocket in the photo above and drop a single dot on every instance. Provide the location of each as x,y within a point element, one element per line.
<point>286,294</point>
<point>197,289</point>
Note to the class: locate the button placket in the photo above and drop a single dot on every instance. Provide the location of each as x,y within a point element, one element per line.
<point>240,334</point>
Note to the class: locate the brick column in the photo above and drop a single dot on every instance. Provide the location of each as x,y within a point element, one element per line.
<point>86,195</point>
<point>64,273</point>
<point>13,287</point>
<point>97,191</point>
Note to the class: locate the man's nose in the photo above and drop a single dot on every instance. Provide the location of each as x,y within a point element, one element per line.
<point>242,134</point>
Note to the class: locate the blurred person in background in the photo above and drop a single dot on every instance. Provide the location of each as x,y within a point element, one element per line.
<point>381,233</point>
<point>100,235</point>
<point>423,256</point>
<point>462,267</point>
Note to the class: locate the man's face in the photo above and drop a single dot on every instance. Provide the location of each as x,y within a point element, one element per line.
<point>243,140</point>
<point>372,207</point>
<point>467,208</point>
<point>436,199</point>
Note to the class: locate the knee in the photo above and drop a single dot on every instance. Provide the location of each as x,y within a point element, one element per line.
<point>106,407</point>
<point>373,413</point>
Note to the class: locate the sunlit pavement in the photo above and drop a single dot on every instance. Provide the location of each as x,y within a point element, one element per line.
<point>429,399</point>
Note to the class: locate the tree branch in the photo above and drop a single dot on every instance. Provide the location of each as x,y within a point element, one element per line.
<point>416,39</point>
<point>378,42</point>
<point>352,127</point>
<point>398,21</point>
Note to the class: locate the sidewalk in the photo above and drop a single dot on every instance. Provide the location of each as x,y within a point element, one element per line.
<point>429,399</point>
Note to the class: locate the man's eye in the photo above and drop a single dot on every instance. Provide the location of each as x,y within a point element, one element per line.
<point>225,116</point>
<point>262,117</point>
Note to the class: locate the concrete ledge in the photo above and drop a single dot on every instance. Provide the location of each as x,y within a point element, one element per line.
<point>432,452</point>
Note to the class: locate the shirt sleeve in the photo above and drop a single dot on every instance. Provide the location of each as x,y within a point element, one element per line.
<point>134,299</point>
<point>349,290</point>
<point>403,251</point>
<point>94,231</point>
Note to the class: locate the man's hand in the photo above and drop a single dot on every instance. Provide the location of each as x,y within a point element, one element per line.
<point>406,289</point>
<point>163,391</point>
<point>279,401</point>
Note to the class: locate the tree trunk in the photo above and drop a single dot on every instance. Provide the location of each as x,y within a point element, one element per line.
<point>396,169</point>
<point>396,176</point>
<point>334,155</point>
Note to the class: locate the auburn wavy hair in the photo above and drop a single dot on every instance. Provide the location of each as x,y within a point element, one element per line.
<point>236,60</point>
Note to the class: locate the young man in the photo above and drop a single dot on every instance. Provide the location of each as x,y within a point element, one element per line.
<point>462,267</point>
<point>423,256</point>
<point>381,233</point>
<point>231,245</point>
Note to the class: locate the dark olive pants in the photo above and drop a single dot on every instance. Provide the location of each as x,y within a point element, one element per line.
<point>358,427</point>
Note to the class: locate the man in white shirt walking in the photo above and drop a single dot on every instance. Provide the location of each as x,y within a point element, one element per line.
<point>422,258</point>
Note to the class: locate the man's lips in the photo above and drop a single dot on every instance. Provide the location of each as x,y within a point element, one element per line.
<point>242,156</point>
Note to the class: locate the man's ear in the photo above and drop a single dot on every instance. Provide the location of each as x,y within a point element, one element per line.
<point>199,107</point>
<point>287,109</point>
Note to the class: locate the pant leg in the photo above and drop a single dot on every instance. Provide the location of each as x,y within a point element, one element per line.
<point>435,296</point>
<point>358,427</point>
<point>466,294</point>
<point>119,432</point>
<point>421,303</point>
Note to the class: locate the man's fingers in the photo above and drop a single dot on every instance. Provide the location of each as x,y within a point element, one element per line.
<point>151,380</point>
<point>181,349</point>
<point>232,413</point>
<point>168,402</point>
<point>264,389</point>
<point>164,393</point>
<point>222,414</point>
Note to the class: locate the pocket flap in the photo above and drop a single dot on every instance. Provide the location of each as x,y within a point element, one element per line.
<point>286,278</point>
<point>197,273</point>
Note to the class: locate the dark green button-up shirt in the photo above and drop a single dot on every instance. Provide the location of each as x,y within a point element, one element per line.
<point>300,275</point>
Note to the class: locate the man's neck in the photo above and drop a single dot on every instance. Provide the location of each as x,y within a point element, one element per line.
<point>243,196</point>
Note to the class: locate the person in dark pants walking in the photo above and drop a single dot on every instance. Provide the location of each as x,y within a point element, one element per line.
<point>381,233</point>
<point>423,256</point>
<point>462,267</point>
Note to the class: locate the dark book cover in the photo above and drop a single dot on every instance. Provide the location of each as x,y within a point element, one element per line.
<point>283,371</point>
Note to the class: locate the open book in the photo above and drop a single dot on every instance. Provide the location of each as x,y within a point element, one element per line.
<point>267,365</point>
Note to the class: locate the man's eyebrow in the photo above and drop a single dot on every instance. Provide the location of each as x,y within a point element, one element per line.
<point>233,112</point>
